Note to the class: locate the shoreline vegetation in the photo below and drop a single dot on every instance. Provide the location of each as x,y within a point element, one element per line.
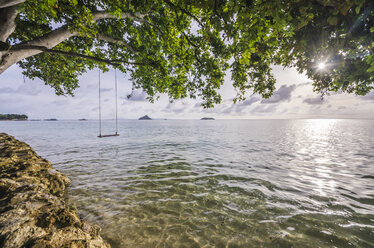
<point>13,117</point>
<point>32,203</point>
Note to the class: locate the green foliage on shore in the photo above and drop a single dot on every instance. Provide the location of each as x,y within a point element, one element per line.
<point>9,117</point>
<point>185,48</point>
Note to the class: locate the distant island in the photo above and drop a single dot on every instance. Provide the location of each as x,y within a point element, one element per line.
<point>146,117</point>
<point>207,119</point>
<point>13,117</point>
<point>52,119</point>
<point>83,119</point>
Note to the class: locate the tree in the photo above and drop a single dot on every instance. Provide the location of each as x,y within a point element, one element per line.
<point>13,117</point>
<point>185,47</point>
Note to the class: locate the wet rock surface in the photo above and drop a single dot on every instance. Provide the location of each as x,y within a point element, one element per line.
<point>33,212</point>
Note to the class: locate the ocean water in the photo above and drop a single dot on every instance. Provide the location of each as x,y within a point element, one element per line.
<point>222,183</point>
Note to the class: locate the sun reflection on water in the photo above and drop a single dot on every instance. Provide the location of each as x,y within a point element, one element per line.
<point>316,146</point>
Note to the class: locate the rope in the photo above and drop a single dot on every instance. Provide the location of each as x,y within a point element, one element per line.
<point>115,79</point>
<point>99,106</point>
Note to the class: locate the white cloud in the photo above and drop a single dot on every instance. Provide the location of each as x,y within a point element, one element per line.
<point>293,98</point>
<point>282,94</point>
<point>314,100</point>
<point>137,95</point>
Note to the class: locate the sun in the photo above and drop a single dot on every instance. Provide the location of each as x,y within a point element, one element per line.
<point>321,66</point>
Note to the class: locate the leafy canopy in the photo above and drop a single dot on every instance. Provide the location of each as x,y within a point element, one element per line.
<point>184,48</point>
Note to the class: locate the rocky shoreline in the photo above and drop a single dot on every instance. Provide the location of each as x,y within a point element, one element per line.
<point>33,211</point>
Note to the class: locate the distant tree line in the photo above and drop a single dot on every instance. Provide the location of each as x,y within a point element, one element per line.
<point>13,117</point>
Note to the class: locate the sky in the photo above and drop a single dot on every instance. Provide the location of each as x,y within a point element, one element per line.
<point>293,98</point>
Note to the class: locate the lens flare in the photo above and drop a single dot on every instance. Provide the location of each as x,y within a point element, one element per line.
<point>321,66</point>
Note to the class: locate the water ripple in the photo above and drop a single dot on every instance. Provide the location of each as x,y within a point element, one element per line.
<point>258,183</point>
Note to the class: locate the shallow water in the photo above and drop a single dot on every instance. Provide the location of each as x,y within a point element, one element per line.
<point>223,183</point>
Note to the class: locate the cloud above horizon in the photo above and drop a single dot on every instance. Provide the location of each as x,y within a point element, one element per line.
<point>369,97</point>
<point>293,98</point>
<point>314,100</point>
<point>282,94</point>
<point>137,96</point>
<point>23,89</point>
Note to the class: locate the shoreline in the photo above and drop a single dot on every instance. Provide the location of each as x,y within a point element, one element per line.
<point>33,211</point>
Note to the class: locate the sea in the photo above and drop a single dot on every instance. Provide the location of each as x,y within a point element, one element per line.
<point>218,183</point>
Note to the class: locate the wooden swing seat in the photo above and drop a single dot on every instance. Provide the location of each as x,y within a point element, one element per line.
<point>107,135</point>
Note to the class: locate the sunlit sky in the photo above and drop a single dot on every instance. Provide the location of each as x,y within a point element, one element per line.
<point>294,98</point>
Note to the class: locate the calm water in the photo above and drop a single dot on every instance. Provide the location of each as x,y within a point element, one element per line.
<point>247,183</point>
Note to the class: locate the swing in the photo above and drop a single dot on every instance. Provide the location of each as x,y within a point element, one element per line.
<point>116,133</point>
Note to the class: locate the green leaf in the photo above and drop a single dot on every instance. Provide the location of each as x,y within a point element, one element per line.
<point>332,20</point>
<point>185,48</point>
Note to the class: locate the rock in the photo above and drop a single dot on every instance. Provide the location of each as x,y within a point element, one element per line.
<point>146,117</point>
<point>207,119</point>
<point>33,212</point>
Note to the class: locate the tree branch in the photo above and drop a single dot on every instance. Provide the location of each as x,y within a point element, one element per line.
<point>136,17</point>
<point>50,40</point>
<point>97,15</point>
<point>114,62</point>
<point>189,41</point>
<point>114,41</point>
<point>53,38</point>
<point>184,11</point>
<point>58,35</point>
<point>194,45</point>
<point>216,12</point>
<point>8,3</point>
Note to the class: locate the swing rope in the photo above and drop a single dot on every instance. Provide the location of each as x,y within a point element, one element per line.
<point>99,106</point>
<point>115,80</point>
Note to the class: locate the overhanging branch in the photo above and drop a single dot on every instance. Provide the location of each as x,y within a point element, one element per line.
<point>55,37</point>
<point>97,15</point>
<point>115,62</point>
<point>134,16</point>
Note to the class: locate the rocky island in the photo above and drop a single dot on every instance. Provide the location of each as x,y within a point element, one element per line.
<point>207,119</point>
<point>33,211</point>
<point>146,117</point>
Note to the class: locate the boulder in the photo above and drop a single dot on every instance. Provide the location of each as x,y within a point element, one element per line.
<point>33,212</point>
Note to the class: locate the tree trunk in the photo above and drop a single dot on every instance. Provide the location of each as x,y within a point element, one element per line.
<point>7,22</point>
<point>8,14</point>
